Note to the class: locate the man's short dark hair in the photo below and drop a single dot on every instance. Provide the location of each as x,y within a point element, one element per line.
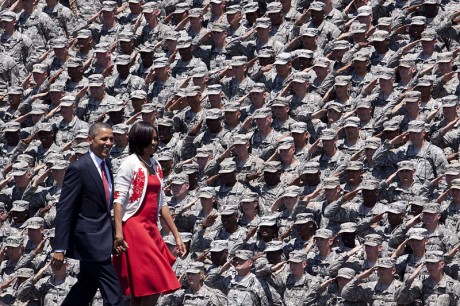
<point>141,136</point>
<point>95,127</point>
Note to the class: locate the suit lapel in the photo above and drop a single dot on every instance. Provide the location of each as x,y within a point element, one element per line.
<point>94,173</point>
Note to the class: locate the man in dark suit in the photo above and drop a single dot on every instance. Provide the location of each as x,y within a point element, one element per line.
<point>84,228</point>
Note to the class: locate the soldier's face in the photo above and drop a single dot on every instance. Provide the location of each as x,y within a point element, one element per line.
<point>263,33</point>
<point>317,16</point>
<point>333,115</point>
<point>272,178</point>
<point>342,281</point>
<point>354,177</point>
<point>7,26</point>
<point>352,132</point>
<point>385,273</point>
<point>195,22</point>
<point>435,268</point>
<point>46,138</point>
<point>22,181</point>
<point>35,235</point>
<point>12,138</point>
<point>14,253</point>
<point>248,207</point>
<point>431,219</point>
<point>274,257</point>
<point>242,265</point>
<point>297,268</point>
<point>108,16</point>
<point>219,258</point>
<point>267,232</point>
<point>193,278</point>
<point>179,189</point>
<point>28,4</point>
<point>364,113</point>
<point>323,243</point>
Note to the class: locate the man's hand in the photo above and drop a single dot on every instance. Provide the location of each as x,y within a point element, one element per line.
<point>57,260</point>
<point>40,247</point>
<point>366,274</point>
<point>120,245</point>
<point>403,138</point>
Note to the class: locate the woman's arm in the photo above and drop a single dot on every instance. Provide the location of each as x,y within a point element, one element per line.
<point>119,244</point>
<point>166,215</point>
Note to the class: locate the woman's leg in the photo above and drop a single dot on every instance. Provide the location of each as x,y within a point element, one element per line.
<point>135,301</point>
<point>150,300</point>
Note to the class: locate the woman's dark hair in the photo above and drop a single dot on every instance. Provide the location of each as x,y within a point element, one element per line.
<point>140,137</point>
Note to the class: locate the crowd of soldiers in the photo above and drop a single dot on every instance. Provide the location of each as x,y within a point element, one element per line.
<point>310,149</point>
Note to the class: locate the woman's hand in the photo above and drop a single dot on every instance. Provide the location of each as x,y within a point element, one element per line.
<point>120,246</point>
<point>180,245</point>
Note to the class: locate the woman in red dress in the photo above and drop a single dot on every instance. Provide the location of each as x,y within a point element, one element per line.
<point>144,262</point>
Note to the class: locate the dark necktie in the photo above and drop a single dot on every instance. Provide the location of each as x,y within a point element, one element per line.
<point>105,182</point>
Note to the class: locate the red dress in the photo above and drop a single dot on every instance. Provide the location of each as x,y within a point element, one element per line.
<point>145,268</point>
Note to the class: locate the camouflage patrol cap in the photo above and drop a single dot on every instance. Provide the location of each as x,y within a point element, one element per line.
<point>304,218</point>
<point>195,12</point>
<point>455,184</point>
<point>13,241</point>
<point>301,77</point>
<point>268,220</point>
<point>60,42</point>
<point>417,233</point>
<point>74,62</point>
<point>84,33</point>
<point>19,168</point>
<point>317,6</point>
<point>386,73</point>
<point>160,62</point>
<point>39,109</point>
<point>25,158</point>
<point>184,42</point>
<point>138,94</point>
<point>380,35</point>
<point>304,53</point>
<point>416,126</point>
<point>258,87</point>
<point>363,103</point>
<point>123,59</point>
<point>96,80</point>
<point>25,273</point>
<point>373,240</point>
<point>166,156</point>
<point>274,245</point>
<point>20,206</point>
<point>82,148</point>
<point>179,179</point>
<point>308,31</point>
<point>262,113</point>
<point>299,127</point>
<point>444,57</point>
<point>431,208</point>
<point>240,140</point>
<point>102,47</point>
<point>195,267</point>
<point>425,81</point>
<point>116,106</point>
<point>249,197</point>
<point>165,122</point>
<point>322,62</point>
<point>199,72</point>
<point>346,273</point>
<point>407,61</point>
<point>384,21</point>
<point>181,7</point>
<point>227,166</point>
<point>233,9</point>
<point>274,7</point>
<point>449,101</point>
<point>364,11</point>
<point>126,36</point>
<point>358,28</point>
<point>39,68</point>
<point>15,90</point>
<point>186,236</point>
<point>251,7</point>
<point>218,246</point>
<point>406,165</point>
<point>35,223</point>
<point>418,20</point>
<point>360,57</point>
<point>292,191</point>
<point>190,168</point>
<point>428,35</point>
<point>323,233</point>
<point>391,125</point>
<point>206,192</point>
<point>57,87</point>
<point>352,122</point>
<point>148,108</point>
<point>286,143</point>
<point>283,58</point>
<point>205,151</point>
<point>218,27</point>
<point>434,256</point>
<point>232,107</point>
<point>150,7</point>
<point>328,134</point>
<point>215,89</point>
<point>82,134</point>
<point>50,233</point>
<point>238,61</point>
<point>342,80</point>
<point>244,254</point>
<point>280,101</point>
<point>213,113</point>
<point>60,165</point>
<point>263,22</point>
<point>341,45</point>
<point>311,167</point>
<point>385,262</point>
<point>11,126</point>
<point>355,165</point>
<point>193,91</point>
<point>396,208</point>
<point>109,6</point>
<point>369,184</point>
<point>120,128</point>
<point>272,166</point>
<point>297,256</point>
<point>229,210</point>
<point>331,182</point>
<point>8,16</point>
<point>347,227</point>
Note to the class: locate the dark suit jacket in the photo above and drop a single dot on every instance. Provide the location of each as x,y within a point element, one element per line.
<point>83,223</point>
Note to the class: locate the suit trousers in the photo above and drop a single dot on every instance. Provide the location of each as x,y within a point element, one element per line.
<point>94,275</point>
